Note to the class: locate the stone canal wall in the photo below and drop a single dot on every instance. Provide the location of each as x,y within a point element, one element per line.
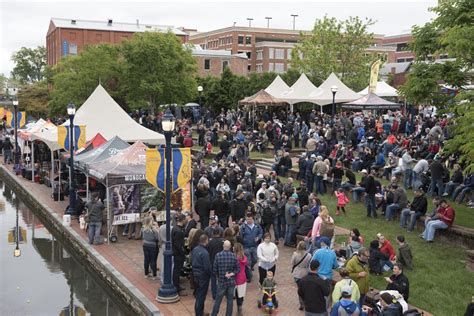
<point>132,300</point>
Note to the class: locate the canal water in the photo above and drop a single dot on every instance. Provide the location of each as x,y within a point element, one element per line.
<point>45,279</point>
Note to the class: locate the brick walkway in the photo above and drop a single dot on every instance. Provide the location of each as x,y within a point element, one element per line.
<point>127,257</point>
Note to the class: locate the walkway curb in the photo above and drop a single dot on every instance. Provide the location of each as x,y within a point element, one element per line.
<point>132,299</point>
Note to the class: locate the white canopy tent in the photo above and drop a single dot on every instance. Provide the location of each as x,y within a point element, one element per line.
<point>343,94</point>
<point>383,89</point>
<point>303,90</point>
<point>277,87</point>
<point>101,114</point>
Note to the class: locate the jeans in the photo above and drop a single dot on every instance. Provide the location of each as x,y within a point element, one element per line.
<point>356,192</point>
<point>319,183</point>
<point>306,313</point>
<point>310,183</point>
<point>413,217</point>
<point>370,203</point>
<point>178,262</point>
<point>436,183</point>
<point>200,293</point>
<point>151,254</point>
<point>336,184</point>
<point>450,186</point>
<point>290,234</point>
<point>431,227</point>
<point>416,181</point>
<point>461,190</point>
<point>407,179</point>
<point>204,220</point>
<point>251,254</point>
<point>390,212</point>
<point>94,232</point>
<point>279,225</point>
<point>213,285</point>
<point>347,186</point>
<point>7,156</point>
<point>228,291</point>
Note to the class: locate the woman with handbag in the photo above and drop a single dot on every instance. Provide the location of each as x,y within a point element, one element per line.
<point>151,238</point>
<point>300,262</point>
<point>241,277</point>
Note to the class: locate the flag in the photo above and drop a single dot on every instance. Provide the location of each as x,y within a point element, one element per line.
<point>155,167</point>
<point>2,112</point>
<point>12,235</point>
<point>374,76</point>
<point>181,167</point>
<point>21,118</point>
<point>79,136</point>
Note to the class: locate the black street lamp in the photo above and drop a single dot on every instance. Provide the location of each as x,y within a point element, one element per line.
<point>200,89</point>
<point>71,111</point>
<point>17,251</point>
<point>17,151</point>
<point>167,292</point>
<point>334,91</point>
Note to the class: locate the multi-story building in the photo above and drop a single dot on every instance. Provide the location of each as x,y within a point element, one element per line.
<point>402,51</point>
<point>213,62</point>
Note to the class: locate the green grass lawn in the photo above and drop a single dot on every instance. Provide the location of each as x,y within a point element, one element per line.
<point>439,283</point>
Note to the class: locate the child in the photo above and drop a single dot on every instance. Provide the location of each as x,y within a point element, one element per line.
<point>342,200</point>
<point>269,286</point>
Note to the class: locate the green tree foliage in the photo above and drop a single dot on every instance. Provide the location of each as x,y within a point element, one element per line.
<point>339,47</point>
<point>76,77</point>
<point>3,82</point>
<point>30,64</point>
<point>34,98</point>
<point>158,70</point>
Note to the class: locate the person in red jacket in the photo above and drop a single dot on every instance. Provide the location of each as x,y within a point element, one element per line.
<point>386,247</point>
<point>443,219</point>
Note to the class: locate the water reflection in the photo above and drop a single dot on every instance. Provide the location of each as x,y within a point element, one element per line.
<point>46,279</point>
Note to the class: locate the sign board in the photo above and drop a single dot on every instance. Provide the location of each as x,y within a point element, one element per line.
<point>123,219</point>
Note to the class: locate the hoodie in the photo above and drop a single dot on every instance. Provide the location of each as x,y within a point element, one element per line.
<point>346,307</point>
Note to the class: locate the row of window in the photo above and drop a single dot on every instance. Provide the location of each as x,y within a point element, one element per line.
<point>207,64</point>
<point>276,67</point>
<point>241,39</point>
<point>275,53</point>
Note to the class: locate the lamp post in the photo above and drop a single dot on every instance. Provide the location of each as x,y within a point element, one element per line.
<point>71,111</point>
<point>17,251</point>
<point>294,20</point>
<point>17,152</point>
<point>167,292</point>
<point>268,21</point>
<point>250,21</point>
<point>334,91</point>
<point>200,88</point>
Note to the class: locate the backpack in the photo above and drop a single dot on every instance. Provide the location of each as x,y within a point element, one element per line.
<point>327,229</point>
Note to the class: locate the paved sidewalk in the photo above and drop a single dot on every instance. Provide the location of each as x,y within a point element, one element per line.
<point>127,257</point>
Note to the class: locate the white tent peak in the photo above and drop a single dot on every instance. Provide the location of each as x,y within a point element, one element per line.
<point>382,89</point>
<point>344,93</point>
<point>101,114</point>
<point>277,87</point>
<point>303,90</point>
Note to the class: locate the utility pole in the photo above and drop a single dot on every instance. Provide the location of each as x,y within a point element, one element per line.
<point>250,21</point>
<point>294,20</point>
<point>268,21</point>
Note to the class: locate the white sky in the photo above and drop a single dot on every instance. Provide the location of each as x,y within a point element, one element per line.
<point>25,23</point>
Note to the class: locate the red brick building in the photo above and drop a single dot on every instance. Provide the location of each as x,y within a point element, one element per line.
<point>213,62</point>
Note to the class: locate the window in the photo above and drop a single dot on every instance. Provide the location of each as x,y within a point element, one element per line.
<point>249,67</point>
<point>225,64</point>
<point>259,68</point>
<point>240,40</point>
<point>271,66</point>
<point>279,53</point>
<point>271,53</point>
<point>248,40</point>
<point>279,67</point>
<point>288,53</point>
<point>249,55</point>
<point>73,49</point>
<point>259,54</point>
<point>207,64</point>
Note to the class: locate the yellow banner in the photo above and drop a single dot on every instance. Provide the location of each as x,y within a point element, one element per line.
<point>12,236</point>
<point>21,118</point>
<point>374,76</point>
<point>79,136</point>
<point>155,169</point>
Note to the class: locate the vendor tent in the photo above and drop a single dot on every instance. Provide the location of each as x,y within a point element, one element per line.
<point>277,87</point>
<point>303,90</point>
<point>128,166</point>
<point>262,98</point>
<point>95,142</point>
<point>383,89</point>
<point>101,114</point>
<point>24,133</point>
<point>371,102</point>
<point>344,94</point>
<point>49,135</point>
<point>101,153</point>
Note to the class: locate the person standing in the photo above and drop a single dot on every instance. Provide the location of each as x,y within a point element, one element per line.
<point>241,277</point>
<point>251,235</point>
<point>300,261</point>
<point>313,290</point>
<point>214,247</point>
<point>225,267</point>
<point>267,254</point>
<point>291,215</point>
<point>177,243</point>
<point>151,238</point>
<point>326,257</point>
<point>95,211</point>
<point>203,209</point>
<point>370,190</point>
<point>201,269</point>
<point>358,270</point>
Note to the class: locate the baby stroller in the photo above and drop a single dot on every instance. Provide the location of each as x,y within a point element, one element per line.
<point>268,301</point>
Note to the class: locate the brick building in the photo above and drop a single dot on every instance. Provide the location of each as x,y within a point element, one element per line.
<point>213,62</point>
<point>69,37</point>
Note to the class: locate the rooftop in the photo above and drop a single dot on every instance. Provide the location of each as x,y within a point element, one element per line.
<point>110,25</point>
<point>249,29</point>
<point>197,51</point>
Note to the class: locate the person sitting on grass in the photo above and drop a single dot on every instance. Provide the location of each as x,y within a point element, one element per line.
<point>377,259</point>
<point>404,257</point>
<point>398,281</point>
<point>443,219</point>
<point>386,248</point>
<point>269,286</point>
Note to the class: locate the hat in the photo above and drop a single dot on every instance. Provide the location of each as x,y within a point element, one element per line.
<point>346,291</point>
<point>364,171</point>
<point>294,195</point>
<point>386,297</point>
<point>313,156</point>
<point>260,176</point>
<point>326,240</point>
<point>247,174</point>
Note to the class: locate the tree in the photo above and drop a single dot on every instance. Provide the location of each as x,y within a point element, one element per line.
<point>336,46</point>
<point>3,83</point>
<point>75,77</point>
<point>30,64</point>
<point>34,98</point>
<point>158,70</point>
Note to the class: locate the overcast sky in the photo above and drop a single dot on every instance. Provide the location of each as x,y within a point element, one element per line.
<point>25,23</point>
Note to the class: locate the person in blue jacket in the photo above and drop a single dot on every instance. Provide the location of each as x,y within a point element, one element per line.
<point>251,234</point>
<point>326,257</point>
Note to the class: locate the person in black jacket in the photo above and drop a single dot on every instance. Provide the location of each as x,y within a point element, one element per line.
<point>398,281</point>
<point>312,290</point>
<point>456,180</point>
<point>214,247</point>
<point>221,208</point>
<point>437,173</point>
<point>370,189</point>
<point>376,258</point>
<point>415,210</point>
<point>177,244</point>
<point>201,265</point>
<point>238,206</point>
<point>304,223</point>
<point>203,209</point>
<point>190,223</point>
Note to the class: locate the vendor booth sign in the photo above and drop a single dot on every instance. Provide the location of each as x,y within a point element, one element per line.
<point>123,219</point>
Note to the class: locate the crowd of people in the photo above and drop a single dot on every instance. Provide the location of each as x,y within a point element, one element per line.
<point>244,215</point>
